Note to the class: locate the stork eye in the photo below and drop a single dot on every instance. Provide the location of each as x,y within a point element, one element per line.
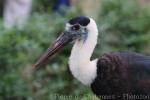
<point>76,27</point>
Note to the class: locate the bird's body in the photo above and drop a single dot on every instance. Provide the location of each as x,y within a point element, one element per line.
<point>122,74</point>
<point>114,75</point>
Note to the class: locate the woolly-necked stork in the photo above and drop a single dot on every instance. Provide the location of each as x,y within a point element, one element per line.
<point>115,75</point>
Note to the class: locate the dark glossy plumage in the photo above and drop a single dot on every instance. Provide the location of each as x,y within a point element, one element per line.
<point>122,73</point>
<point>82,20</point>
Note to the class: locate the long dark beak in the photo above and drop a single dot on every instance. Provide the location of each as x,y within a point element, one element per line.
<point>60,42</point>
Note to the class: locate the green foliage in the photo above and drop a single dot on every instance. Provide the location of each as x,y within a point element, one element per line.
<point>123,25</point>
<point>42,5</point>
<point>19,48</point>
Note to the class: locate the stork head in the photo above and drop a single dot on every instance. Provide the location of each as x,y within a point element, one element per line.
<point>76,29</point>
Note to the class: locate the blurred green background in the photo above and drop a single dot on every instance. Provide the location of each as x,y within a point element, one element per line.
<point>124,25</point>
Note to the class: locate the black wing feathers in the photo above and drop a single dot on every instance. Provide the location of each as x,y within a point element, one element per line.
<point>122,73</point>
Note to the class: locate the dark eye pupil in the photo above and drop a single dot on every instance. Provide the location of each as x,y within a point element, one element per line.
<point>76,27</point>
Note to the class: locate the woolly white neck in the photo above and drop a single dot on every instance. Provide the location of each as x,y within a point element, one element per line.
<point>79,62</point>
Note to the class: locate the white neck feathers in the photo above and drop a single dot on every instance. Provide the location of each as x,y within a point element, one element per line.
<point>80,65</point>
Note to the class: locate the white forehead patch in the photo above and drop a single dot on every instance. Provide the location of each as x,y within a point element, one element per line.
<point>67,26</point>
